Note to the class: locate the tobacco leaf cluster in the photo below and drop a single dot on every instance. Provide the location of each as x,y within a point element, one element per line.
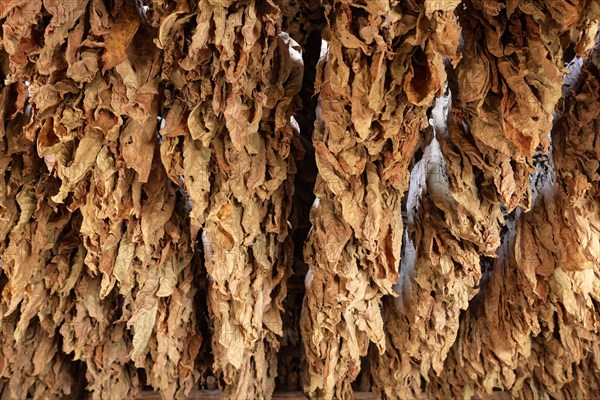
<point>157,164</point>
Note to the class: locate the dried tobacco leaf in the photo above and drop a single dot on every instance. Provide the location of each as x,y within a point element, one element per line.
<point>96,188</point>
<point>536,322</point>
<point>246,226</point>
<point>381,70</point>
<point>509,80</point>
<point>465,220</point>
<point>450,226</point>
<point>237,157</point>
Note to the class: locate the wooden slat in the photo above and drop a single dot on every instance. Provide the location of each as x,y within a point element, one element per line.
<point>215,394</point>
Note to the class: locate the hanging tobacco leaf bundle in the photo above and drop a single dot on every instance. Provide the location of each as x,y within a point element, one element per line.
<point>37,258</point>
<point>509,80</point>
<point>451,239</point>
<point>234,90</point>
<point>449,228</point>
<point>382,68</point>
<point>536,321</point>
<point>125,298</point>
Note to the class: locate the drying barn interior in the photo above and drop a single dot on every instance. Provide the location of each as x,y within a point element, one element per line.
<point>287,199</point>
